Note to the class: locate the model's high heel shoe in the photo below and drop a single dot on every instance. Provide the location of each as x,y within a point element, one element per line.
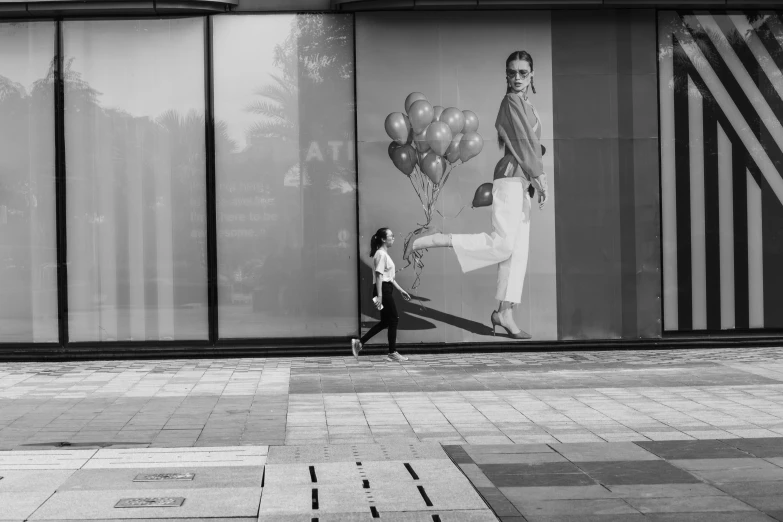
<point>495,319</point>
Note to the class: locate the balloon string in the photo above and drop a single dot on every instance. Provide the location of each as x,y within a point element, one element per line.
<point>454,217</point>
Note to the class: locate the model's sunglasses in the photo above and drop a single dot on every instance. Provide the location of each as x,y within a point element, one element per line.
<point>513,74</point>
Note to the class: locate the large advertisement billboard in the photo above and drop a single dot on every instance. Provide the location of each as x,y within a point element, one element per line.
<point>513,156</point>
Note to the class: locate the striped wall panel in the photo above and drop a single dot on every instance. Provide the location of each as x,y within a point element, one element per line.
<point>721,108</point>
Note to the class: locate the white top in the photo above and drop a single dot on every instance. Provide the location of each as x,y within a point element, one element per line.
<point>383,263</point>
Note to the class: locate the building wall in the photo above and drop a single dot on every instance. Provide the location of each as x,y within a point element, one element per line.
<point>217,179</point>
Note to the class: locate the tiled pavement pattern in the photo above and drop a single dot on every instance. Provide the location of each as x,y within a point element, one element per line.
<point>737,480</point>
<point>403,482</point>
<point>453,398</point>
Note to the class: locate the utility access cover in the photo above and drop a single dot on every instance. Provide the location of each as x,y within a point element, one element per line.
<point>159,477</point>
<point>150,502</point>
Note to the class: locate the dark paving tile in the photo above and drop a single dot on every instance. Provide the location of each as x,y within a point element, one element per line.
<point>764,448</point>
<point>535,469</point>
<point>549,480</point>
<point>748,516</point>
<point>707,504</point>
<point>637,472</point>
<point>627,517</point>
<point>499,504</point>
<point>765,503</point>
<point>691,449</point>
<point>582,508</point>
<point>752,489</point>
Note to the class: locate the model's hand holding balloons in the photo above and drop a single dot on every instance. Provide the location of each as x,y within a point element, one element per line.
<point>427,144</point>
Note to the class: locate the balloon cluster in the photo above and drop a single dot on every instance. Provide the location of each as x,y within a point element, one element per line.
<point>427,143</point>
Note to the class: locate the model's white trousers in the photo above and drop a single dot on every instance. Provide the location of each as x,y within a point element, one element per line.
<point>508,245</point>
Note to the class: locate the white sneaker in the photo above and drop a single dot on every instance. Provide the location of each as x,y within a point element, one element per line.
<point>356,347</point>
<point>396,357</point>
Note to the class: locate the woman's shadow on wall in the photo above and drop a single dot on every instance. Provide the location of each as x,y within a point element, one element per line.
<point>414,314</point>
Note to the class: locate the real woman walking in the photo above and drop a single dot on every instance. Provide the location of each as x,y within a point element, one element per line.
<point>383,283</point>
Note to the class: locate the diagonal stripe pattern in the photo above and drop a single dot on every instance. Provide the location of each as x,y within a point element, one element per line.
<point>721,108</point>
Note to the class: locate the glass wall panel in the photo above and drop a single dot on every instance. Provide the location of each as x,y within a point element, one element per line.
<point>136,193</point>
<point>286,192</point>
<point>28,255</point>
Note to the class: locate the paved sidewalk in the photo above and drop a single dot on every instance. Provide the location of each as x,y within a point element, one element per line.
<point>565,436</point>
<point>452,399</point>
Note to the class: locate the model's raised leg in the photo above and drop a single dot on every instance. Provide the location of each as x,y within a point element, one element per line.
<point>433,239</point>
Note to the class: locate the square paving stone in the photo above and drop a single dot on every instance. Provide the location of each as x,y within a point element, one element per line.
<point>752,489</point>
<point>665,490</point>
<point>603,451</point>
<point>761,447</point>
<point>765,503</point>
<point>332,498</point>
<point>178,457</point>
<point>326,473</point>
<point>476,476</point>
<point>86,505</point>
<point>427,470</point>
<point>54,459</point>
<point>500,505</point>
<point>720,504</point>
<point>525,469</point>
<point>119,479</point>
<point>543,480</point>
<point>691,449</point>
<point>532,494</point>
<point>740,475</point>
<point>18,506</point>
<point>641,472</point>
<point>718,464</point>
<point>575,507</point>
<point>638,517</point>
<point>32,480</point>
<point>517,458</point>
<point>479,449</point>
<point>407,497</point>
<point>741,516</point>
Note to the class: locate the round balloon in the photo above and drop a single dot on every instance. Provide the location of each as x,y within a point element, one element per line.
<point>483,196</point>
<point>470,145</point>
<point>437,111</point>
<point>421,114</point>
<point>433,166</point>
<point>397,126</point>
<point>454,118</point>
<point>438,137</point>
<point>471,122</point>
<point>393,145</point>
<point>422,145</point>
<point>413,97</point>
<point>403,157</point>
<point>421,155</point>
<point>452,153</point>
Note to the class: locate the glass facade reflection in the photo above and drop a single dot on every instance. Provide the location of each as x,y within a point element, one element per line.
<point>285,176</point>
<point>136,179</point>
<point>28,256</point>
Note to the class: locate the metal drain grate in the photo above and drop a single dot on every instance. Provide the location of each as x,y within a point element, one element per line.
<point>150,502</point>
<point>160,477</point>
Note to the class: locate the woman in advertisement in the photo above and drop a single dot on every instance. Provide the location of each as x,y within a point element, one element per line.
<point>518,176</point>
<point>383,283</point>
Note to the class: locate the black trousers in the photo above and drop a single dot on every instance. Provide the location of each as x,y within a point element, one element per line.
<point>389,317</point>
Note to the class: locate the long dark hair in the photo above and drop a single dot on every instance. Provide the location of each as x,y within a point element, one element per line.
<point>377,240</point>
<point>524,56</point>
